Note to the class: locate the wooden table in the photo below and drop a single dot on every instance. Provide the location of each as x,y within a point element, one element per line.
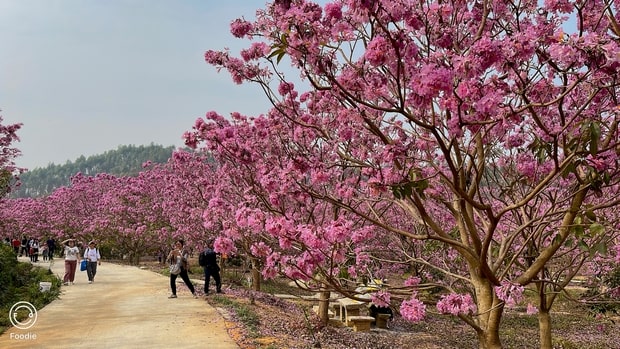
<point>349,307</point>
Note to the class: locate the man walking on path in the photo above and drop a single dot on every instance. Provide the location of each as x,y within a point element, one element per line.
<point>127,309</point>
<point>208,261</point>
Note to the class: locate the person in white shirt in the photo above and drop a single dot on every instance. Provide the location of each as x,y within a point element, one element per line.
<point>93,258</point>
<point>72,254</point>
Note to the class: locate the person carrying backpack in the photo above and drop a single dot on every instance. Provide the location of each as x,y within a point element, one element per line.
<point>208,261</point>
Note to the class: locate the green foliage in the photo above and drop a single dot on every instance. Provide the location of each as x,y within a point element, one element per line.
<point>604,299</point>
<point>8,263</point>
<point>279,50</point>
<point>127,160</point>
<point>243,312</point>
<point>5,182</point>
<point>20,282</point>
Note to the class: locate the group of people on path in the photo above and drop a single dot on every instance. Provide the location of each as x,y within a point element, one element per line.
<point>180,256</point>
<point>33,247</point>
<point>72,256</point>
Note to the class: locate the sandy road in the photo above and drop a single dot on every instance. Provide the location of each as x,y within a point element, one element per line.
<point>126,307</point>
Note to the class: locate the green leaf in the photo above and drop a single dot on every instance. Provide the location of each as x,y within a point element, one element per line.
<point>590,214</point>
<point>280,56</point>
<point>578,230</point>
<point>595,134</point>
<point>600,248</point>
<point>596,229</point>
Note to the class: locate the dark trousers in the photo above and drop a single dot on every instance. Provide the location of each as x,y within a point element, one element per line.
<point>183,275</point>
<point>91,270</point>
<point>215,273</point>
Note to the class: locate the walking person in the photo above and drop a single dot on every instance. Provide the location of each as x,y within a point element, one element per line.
<point>93,259</point>
<point>51,247</point>
<point>44,251</point>
<point>36,246</point>
<point>72,255</point>
<point>34,249</point>
<point>179,255</point>
<point>208,261</point>
<point>16,245</point>
<point>24,246</point>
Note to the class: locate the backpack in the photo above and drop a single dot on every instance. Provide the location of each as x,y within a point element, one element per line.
<point>202,259</point>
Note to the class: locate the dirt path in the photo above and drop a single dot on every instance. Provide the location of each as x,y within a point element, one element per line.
<point>126,307</point>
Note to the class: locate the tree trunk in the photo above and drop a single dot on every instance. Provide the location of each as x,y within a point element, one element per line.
<point>490,315</point>
<point>324,306</point>
<point>544,329</point>
<point>489,340</point>
<point>256,277</point>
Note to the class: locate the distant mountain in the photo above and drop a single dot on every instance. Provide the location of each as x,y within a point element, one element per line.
<point>127,160</point>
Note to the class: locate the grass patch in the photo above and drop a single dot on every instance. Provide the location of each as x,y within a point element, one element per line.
<point>248,317</point>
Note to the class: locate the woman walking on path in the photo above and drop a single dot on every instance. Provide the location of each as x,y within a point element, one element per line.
<point>72,254</point>
<point>91,254</point>
<point>180,255</point>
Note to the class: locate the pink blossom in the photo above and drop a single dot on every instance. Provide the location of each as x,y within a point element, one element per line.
<point>352,270</point>
<point>285,88</point>
<point>224,245</point>
<point>413,310</point>
<point>381,298</point>
<point>240,27</point>
<point>456,304</point>
<point>412,281</point>
<point>333,12</point>
<point>531,309</point>
<point>510,293</point>
<point>271,267</point>
<point>562,6</point>
<point>377,51</point>
<point>260,249</point>
<point>256,51</point>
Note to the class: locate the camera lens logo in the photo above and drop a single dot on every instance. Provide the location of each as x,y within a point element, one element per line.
<point>18,310</point>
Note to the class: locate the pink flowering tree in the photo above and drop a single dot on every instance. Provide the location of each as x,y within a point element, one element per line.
<point>480,127</point>
<point>136,222</point>
<point>187,187</point>
<point>8,170</point>
<point>277,222</point>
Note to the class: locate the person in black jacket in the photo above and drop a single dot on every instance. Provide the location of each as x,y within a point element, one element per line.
<point>208,261</point>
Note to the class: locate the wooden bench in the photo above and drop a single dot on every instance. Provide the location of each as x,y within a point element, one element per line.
<point>382,320</point>
<point>361,323</point>
<point>348,308</point>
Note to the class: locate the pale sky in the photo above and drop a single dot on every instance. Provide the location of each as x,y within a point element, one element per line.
<point>85,76</point>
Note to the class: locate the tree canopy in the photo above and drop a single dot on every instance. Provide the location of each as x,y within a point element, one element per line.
<point>470,146</point>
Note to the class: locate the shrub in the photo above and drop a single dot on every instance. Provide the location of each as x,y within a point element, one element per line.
<point>604,297</point>
<point>20,282</point>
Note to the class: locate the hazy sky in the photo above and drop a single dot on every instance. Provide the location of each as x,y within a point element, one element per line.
<point>85,76</point>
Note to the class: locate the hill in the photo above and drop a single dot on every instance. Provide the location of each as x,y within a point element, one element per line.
<point>126,160</point>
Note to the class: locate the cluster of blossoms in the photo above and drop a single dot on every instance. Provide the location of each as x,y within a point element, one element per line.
<point>510,293</point>
<point>456,304</point>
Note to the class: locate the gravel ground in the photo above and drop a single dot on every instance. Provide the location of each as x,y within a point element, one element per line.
<point>284,324</point>
<point>292,325</point>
